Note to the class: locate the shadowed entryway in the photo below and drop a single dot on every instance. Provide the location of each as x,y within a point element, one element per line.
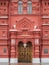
<point>25,52</point>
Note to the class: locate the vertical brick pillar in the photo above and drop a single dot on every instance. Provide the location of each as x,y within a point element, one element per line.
<point>13,58</point>
<point>36,58</point>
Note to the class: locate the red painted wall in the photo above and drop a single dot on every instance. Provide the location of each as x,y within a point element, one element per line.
<point>25,27</point>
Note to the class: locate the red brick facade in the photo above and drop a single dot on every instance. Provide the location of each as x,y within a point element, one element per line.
<point>25,27</point>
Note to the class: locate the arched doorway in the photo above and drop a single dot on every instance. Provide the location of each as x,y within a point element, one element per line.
<point>25,52</point>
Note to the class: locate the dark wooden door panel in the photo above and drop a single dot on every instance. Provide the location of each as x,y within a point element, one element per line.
<point>24,54</point>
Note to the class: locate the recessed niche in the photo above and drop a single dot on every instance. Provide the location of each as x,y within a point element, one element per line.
<point>48,3</point>
<point>1,3</point>
<point>4,3</point>
<point>4,50</point>
<point>3,21</point>
<point>45,3</point>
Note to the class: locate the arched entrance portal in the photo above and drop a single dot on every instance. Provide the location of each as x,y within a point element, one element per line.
<point>25,52</point>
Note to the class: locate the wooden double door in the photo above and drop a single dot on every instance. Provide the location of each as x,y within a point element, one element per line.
<point>25,53</point>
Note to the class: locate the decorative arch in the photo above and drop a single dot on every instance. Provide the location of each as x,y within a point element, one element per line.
<point>20,43</point>
<point>25,53</point>
<point>29,43</point>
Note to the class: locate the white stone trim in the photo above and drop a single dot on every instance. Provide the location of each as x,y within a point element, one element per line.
<point>3,24</point>
<point>44,60</point>
<point>36,30</point>
<point>13,60</point>
<point>3,16</point>
<point>45,16</point>
<point>35,60</point>
<point>13,30</point>
<point>4,60</point>
<point>45,24</point>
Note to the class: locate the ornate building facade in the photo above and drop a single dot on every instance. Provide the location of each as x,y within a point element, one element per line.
<point>24,31</point>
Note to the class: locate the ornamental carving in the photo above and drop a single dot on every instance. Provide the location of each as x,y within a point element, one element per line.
<point>24,24</point>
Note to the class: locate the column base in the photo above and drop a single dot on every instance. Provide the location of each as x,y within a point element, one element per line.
<point>13,60</point>
<point>4,60</point>
<point>35,60</point>
<point>44,60</point>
